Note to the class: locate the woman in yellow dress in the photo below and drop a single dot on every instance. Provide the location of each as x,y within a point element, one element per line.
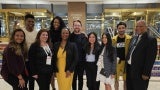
<point>65,59</point>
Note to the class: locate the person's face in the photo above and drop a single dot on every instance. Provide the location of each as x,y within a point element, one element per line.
<point>104,39</point>
<point>29,23</point>
<point>121,29</point>
<point>56,24</point>
<point>64,34</point>
<point>140,27</point>
<point>19,37</point>
<point>92,39</point>
<point>44,37</point>
<point>77,27</point>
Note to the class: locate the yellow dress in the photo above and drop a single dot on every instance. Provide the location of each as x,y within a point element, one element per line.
<point>63,82</point>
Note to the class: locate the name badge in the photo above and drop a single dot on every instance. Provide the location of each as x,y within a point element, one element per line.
<point>48,61</point>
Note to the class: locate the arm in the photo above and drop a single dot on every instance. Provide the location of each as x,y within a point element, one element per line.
<point>54,57</point>
<point>150,56</point>
<point>15,62</point>
<point>32,59</point>
<point>75,57</point>
<point>114,62</point>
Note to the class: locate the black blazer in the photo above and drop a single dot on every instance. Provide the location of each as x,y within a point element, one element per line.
<point>71,56</point>
<point>37,60</point>
<point>143,57</point>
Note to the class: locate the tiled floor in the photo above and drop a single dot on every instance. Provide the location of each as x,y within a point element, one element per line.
<point>153,85</point>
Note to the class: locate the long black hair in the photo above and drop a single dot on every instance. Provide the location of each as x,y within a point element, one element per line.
<point>108,45</point>
<point>67,46</point>
<point>62,24</point>
<point>96,44</point>
<point>55,34</point>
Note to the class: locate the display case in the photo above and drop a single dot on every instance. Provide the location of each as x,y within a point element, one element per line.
<point>11,19</point>
<point>2,24</point>
<point>94,24</point>
<point>130,16</point>
<point>14,18</point>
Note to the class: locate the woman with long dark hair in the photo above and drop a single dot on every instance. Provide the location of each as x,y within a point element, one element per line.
<point>92,49</point>
<point>55,29</point>
<point>13,65</point>
<point>65,59</point>
<point>55,34</point>
<point>106,62</point>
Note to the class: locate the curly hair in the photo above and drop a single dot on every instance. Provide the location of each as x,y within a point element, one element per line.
<point>62,24</point>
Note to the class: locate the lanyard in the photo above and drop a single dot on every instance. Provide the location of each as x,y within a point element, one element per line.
<point>47,50</point>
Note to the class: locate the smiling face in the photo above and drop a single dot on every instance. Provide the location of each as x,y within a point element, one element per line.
<point>77,26</point>
<point>29,22</point>
<point>104,39</point>
<point>65,34</point>
<point>56,24</point>
<point>92,38</point>
<point>19,37</point>
<point>140,27</point>
<point>44,37</point>
<point>121,29</point>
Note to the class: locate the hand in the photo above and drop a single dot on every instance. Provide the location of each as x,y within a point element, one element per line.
<point>54,75</point>
<point>144,77</point>
<point>21,83</point>
<point>35,76</point>
<point>68,73</point>
<point>52,78</point>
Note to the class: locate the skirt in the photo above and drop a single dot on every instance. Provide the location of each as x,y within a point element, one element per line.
<point>104,79</point>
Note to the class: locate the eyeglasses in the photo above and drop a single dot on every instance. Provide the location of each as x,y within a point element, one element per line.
<point>139,26</point>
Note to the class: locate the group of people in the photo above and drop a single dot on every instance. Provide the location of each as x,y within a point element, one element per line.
<point>58,53</point>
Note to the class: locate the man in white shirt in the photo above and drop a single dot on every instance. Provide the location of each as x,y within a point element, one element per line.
<point>30,38</point>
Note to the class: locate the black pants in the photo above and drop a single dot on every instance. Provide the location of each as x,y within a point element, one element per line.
<point>44,81</point>
<point>79,70</point>
<point>91,74</point>
<point>30,78</point>
<point>14,82</point>
<point>135,84</point>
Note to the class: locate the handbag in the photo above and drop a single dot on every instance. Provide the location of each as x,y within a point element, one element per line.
<point>103,72</point>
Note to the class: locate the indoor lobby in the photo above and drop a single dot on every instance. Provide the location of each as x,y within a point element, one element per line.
<point>96,16</point>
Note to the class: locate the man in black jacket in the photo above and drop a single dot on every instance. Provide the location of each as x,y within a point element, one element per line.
<point>80,39</point>
<point>141,57</point>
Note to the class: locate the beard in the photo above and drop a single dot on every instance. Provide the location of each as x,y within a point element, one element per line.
<point>76,30</point>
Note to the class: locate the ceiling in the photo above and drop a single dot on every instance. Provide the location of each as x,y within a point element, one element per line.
<point>87,1</point>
